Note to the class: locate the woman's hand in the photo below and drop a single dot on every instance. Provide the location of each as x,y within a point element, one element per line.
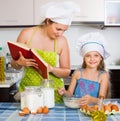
<point>26,62</point>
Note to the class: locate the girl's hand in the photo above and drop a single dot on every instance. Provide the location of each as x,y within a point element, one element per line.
<point>26,62</point>
<point>85,100</point>
<point>61,91</point>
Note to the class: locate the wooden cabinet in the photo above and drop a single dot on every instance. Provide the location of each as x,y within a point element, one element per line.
<point>115,83</point>
<point>16,12</point>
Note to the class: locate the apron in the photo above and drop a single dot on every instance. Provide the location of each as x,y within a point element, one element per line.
<point>85,86</point>
<point>32,78</point>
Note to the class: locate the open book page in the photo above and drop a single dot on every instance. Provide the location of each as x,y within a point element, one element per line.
<point>43,70</point>
<point>16,47</point>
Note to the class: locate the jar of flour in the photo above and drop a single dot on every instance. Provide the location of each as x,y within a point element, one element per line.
<point>47,88</point>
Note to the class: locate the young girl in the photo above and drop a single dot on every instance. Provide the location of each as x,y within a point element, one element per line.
<point>91,80</point>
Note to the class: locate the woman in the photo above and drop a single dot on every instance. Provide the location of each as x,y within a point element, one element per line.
<point>92,80</point>
<point>49,42</point>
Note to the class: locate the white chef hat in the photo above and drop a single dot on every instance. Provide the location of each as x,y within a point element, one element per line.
<point>93,41</point>
<point>59,12</point>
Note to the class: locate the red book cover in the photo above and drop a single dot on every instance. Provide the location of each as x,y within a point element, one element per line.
<point>16,47</point>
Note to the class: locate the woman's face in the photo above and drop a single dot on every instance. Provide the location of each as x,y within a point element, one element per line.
<point>92,59</point>
<point>56,30</point>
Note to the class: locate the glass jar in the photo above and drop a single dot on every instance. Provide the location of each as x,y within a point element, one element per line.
<point>47,87</point>
<point>32,98</point>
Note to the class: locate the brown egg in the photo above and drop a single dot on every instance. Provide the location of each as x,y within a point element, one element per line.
<point>95,107</point>
<point>40,110</point>
<point>45,110</point>
<point>21,113</point>
<point>107,108</point>
<point>114,107</point>
<point>84,107</point>
<point>26,110</point>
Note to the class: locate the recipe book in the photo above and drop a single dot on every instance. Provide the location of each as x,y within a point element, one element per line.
<point>16,47</point>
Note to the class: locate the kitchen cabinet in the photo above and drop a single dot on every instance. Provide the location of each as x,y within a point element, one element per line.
<point>115,83</point>
<point>90,11</point>
<point>16,12</point>
<point>7,93</point>
<point>26,12</point>
<point>112,12</point>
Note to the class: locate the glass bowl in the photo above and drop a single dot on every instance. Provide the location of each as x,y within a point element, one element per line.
<point>71,102</point>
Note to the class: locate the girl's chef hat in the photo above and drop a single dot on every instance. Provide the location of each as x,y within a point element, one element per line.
<point>93,41</point>
<point>59,12</point>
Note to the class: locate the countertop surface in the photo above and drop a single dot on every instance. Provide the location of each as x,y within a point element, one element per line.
<point>6,84</point>
<point>109,67</point>
<point>9,112</point>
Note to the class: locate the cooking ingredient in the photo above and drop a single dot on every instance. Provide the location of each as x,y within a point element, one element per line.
<point>47,87</point>
<point>32,98</point>
<point>114,107</point>
<point>2,62</point>
<point>45,110</point>
<point>40,110</point>
<point>21,113</point>
<point>98,116</point>
<point>107,108</point>
<point>26,110</point>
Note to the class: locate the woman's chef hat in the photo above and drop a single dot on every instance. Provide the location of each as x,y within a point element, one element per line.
<point>59,12</point>
<point>93,41</point>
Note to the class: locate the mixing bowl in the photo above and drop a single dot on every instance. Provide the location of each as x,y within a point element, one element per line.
<point>71,102</point>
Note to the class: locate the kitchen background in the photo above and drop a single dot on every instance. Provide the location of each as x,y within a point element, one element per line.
<point>95,16</point>
<point>99,15</point>
<point>112,35</point>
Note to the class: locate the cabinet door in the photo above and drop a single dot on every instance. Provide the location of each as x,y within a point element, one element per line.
<point>90,10</point>
<point>16,12</point>
<point>112,12</point>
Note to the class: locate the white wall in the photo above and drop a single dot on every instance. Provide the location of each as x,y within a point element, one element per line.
<point>112,34</point>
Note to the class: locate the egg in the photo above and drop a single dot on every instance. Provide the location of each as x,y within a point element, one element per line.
<point>40,110</point>
<point>114,107</point>
<point>26,110</point>
<point>21,113</point>
<point>45,110</point>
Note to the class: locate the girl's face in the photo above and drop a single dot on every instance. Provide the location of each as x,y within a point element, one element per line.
<point>92,59</point>
<point>56,30</point>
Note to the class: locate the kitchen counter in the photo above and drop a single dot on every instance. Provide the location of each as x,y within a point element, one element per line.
<point>9,112</point>
<point>6,84</point>
<point>109,67</point>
